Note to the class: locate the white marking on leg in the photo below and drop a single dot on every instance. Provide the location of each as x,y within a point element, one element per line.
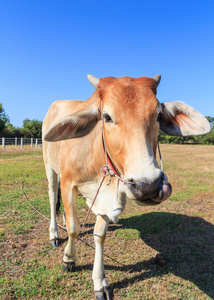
<point>72,223</point>
<point>98,275</point>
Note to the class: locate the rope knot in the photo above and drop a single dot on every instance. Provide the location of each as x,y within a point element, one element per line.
<point>107,171</point>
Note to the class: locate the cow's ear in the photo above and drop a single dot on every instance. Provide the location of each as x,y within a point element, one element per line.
<point>76,125</point>
<point>181,120</point>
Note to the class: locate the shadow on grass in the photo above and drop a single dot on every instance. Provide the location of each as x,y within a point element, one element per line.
<point>186,242</point>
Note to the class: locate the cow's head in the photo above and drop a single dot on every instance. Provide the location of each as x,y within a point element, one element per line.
<point>132,117</point>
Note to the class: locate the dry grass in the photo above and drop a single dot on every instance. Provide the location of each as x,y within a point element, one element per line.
<point>181,229</point>
<point>14,150</point>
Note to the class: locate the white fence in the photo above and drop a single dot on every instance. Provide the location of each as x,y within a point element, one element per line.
<point>33,142</point>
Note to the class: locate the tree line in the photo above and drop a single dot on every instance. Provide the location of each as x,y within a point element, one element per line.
<point>29,129</point>
<point>33,128</point>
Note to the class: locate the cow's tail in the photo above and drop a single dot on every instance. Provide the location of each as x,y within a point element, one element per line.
<point>58,201</point>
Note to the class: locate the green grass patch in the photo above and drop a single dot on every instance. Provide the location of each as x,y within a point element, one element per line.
<point>181,229</point>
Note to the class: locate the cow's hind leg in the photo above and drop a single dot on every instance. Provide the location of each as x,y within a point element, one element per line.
<point>101,287</point>
<point>52,182</point>
<point>72,224</point>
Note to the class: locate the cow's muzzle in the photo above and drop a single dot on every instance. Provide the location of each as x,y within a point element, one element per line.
<point>150,193</point>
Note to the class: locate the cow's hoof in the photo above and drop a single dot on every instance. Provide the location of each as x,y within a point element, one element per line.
<point>103,294</point>
<point>55,242</point>
<point>160,260</point>
<point>69,266</point>
<point>100,297</point>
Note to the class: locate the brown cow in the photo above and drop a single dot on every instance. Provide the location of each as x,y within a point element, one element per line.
<point>130,115</point>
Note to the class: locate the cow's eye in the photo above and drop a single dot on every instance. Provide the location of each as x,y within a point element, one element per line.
<point>107,118</point>
<point>159,117</point>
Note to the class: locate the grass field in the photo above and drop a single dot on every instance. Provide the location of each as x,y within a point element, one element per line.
<point>181,229</point>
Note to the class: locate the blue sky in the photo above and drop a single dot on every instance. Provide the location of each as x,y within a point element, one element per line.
<point>48,47</point>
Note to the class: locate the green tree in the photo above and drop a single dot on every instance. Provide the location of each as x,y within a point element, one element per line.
<point>4,119</point>
<point>211,120</point>
<point>32,128</point>
<point>25,122</point>
<point>10,131</point>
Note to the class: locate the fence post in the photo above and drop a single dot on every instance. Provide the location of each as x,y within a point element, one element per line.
<point>31,142</point>
<point>36,143</point>
<point>15,141</point>
<point>3,142</point>
<point>21,143</point>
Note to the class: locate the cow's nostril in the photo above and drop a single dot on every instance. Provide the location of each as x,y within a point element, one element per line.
<point>162,176</point>
<point>130,180</point>
<point>145,189</point>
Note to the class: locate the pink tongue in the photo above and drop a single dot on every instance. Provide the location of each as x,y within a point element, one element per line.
<point>167,191</point>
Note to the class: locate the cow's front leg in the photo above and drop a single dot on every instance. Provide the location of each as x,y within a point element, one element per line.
<point>72,224</point>
<point>101,287</point>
